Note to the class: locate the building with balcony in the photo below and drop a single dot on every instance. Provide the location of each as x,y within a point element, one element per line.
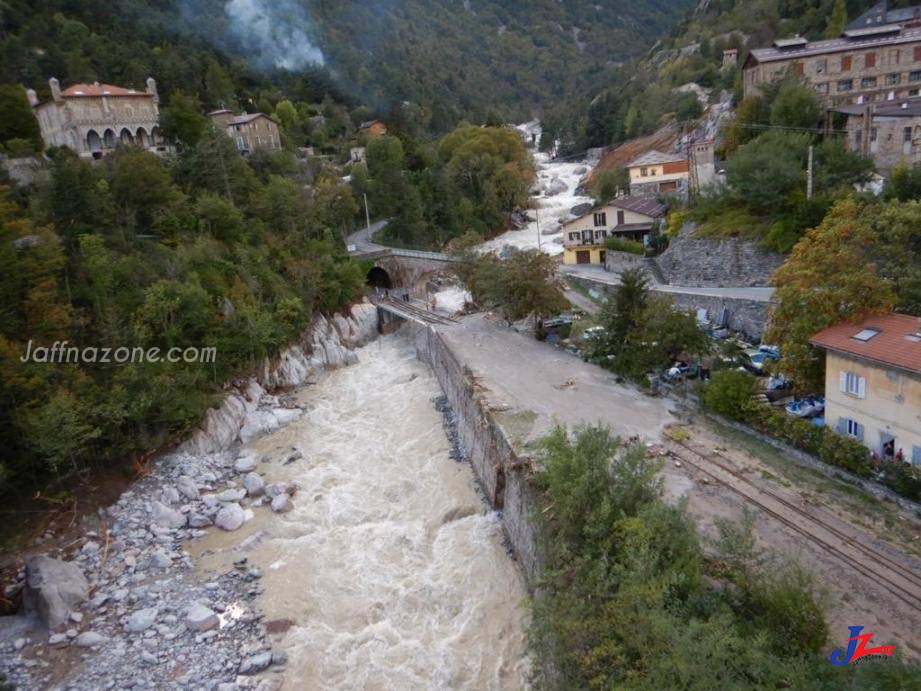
<point>629,218</point>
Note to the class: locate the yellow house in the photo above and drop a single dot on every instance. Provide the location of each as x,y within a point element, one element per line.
<point>630,218</point>
<point>873,382</point>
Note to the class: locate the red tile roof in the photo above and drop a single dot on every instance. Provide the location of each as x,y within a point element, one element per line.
<point>640,205</point>
<point>898,343</point>
<point>101,90</point>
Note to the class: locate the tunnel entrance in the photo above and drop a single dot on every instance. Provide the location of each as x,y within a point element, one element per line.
<point>379,278</point>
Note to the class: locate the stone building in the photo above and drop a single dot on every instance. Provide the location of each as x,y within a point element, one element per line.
<point>876,63</point>
<point>889,133</point>
<point>249,131</point>
<point>881,15</point>
<point>92,119</point>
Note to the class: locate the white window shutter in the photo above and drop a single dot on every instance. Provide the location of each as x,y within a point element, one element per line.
<point>861,387</point>
<point>842,380</point>
<point>859,432</point>
<point>841,427</point>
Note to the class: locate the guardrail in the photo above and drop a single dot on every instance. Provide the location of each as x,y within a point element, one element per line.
<point>400,252</point>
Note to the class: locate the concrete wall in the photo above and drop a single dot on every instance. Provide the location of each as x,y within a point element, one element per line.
<point>745,316</point>
<point>501,472</point>
<point>717,262</point>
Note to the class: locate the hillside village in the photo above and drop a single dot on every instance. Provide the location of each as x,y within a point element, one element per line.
<point>726,233</point>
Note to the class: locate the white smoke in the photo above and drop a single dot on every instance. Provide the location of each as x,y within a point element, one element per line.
<point>274,32</point>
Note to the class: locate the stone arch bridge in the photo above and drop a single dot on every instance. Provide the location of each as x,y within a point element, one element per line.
<point>399,268</point>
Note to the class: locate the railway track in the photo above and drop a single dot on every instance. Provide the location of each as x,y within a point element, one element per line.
<point>408,310</point>
<point>903,582</point>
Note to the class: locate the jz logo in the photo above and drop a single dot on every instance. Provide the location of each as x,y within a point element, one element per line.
<point>857,648</point>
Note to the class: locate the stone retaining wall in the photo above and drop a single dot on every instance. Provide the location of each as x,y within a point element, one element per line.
<point>717,262</point>
<point>501,472</point>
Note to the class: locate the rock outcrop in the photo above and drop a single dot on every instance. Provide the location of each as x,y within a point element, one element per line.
<point>247,411</point>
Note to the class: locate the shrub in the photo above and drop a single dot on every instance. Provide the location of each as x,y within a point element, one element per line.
<point>616,244</point>
<point>902,478</point>
<point>729,393</point>
<point>845,452</point>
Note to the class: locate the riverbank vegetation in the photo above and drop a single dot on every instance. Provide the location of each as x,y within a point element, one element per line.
<point>203,251</point>
<point>630,596</point>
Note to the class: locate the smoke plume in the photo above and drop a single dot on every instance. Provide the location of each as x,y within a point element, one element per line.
<point>275,33</point>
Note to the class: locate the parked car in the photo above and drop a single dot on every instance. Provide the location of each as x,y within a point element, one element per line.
<point>755,360</point>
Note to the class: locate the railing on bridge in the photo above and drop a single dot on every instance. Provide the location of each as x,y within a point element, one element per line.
<point>400,252</point>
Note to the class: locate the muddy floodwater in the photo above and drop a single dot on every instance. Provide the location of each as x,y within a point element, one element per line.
<point>391,568</point>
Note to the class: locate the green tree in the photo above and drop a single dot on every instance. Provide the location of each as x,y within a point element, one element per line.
<point>897,249</point>
<point>829,277</point>
<point>17,121</point>
<point>795,105</point>
<point>730,393</point>
<point>620,315</point>
<point>837,20</point>
<point>182,120</point>
<point>606,184</point>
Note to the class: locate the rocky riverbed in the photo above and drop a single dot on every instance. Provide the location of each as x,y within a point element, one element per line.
<point>123,606</point>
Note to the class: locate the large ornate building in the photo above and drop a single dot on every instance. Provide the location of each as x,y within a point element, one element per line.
<point>92,119</point>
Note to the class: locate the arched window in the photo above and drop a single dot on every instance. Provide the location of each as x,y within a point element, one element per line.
<point>126,138</point>
<point>109,140</point>
<point>142,138</point>
<point>93,142</point>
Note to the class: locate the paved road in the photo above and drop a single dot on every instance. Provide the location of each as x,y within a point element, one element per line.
<point>600,275</point>
<point>540,386</point>
<point>364,238</point>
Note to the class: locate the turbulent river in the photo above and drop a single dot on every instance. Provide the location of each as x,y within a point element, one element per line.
<point>390,566</point>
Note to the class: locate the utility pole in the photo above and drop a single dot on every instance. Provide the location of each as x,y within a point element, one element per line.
<point>809,175</point>
<point>367,215</point>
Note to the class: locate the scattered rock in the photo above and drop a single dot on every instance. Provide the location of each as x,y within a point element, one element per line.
<point>166,517</point>
<point>90,639</point>
<point>187,487</point>
<point>254,484</point>
<point>230,517</point>
<point>255,663</point>
<point>275,489</point>
<point>142,619</point>
<point>53,588</point>
<point>199,520</point>
<point>292,457</point>
<point>245,463</point>
<point>160,560</point>
<point>19,644</point>
<point>282,503</point>
<point>229,496</point>
<point>58,640</point>
<point>201,618</point>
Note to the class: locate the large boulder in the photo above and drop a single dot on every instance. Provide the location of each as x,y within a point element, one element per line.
<point>230,517</point>
<point>53,588</point>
